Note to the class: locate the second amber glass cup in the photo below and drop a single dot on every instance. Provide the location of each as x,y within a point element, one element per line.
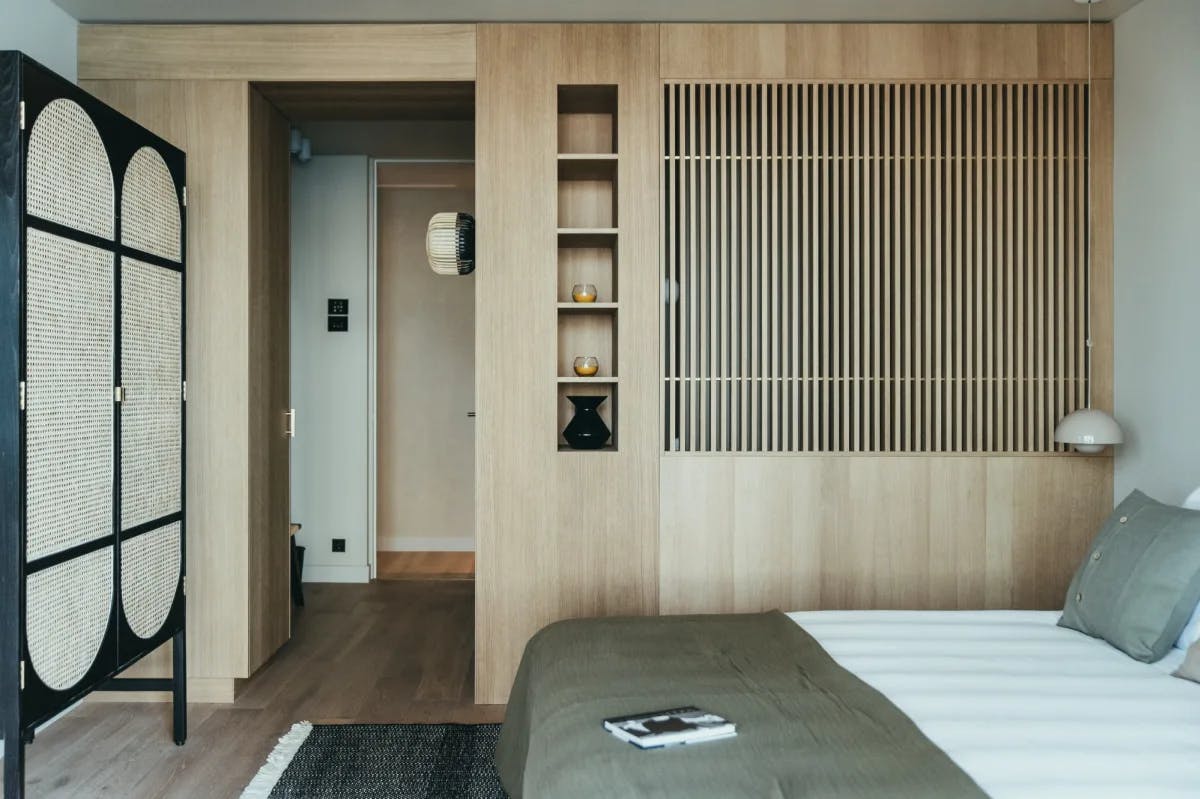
<point>587,365</point>
<point>583,292</point>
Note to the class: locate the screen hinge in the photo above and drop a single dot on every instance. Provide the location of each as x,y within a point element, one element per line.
<point>185,196</point>
<point>22,675</point>
<point>184,391</point>
<point>119,393</point>
<point>21,116</point>
<point>21,393</point>
<point>184,580</point>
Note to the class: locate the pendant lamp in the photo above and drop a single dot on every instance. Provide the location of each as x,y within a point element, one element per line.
<point>1089,429</point>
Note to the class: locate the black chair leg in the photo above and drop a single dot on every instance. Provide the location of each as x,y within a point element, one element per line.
<point>179,687</point>
<point>297,574</point>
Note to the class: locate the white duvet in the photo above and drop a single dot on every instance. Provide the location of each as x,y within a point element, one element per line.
<point>1027,708</point>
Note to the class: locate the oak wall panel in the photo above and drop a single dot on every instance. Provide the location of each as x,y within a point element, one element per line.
<point>269,273</point>
<point>845,531</point>
<point>870,51</point>
<point>278,52</point>
<point>559,534</point>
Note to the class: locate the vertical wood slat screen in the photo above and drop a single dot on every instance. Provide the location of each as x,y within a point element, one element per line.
<point>873,267</point>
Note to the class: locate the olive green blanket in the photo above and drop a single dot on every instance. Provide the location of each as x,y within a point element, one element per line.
<point>806,726</point>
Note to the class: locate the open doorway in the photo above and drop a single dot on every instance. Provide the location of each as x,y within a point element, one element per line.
<point>382,348</point>
<point>424,377</point>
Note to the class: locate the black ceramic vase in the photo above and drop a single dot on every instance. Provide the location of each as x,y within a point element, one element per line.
<point>586,430</point>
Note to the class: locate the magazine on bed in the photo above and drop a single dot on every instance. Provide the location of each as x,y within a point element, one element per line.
<point>680,725</point>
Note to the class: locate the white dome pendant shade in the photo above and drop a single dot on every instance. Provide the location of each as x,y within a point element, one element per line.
<point>1088,430</point>
<point>450,243</point>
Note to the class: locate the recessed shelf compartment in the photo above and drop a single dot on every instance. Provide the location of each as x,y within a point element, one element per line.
<point>586,334</point>
<point>587,248</point>
<point>579,263</point>
<point>607,411</point>
<point>589,166</point>
<point>587,119</point>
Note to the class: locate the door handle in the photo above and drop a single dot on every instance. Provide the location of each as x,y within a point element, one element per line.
<point>289,417</point>
<point>470,414</point>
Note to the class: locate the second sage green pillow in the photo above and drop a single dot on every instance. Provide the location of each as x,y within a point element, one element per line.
<point>1140,581</point>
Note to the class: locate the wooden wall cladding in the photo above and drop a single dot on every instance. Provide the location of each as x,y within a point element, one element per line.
<point>561,534</point>
<point>884,51</point>
<point>278,52</point>
<point>268,337</point>
<point>879,267</point>
<point>750,533</point>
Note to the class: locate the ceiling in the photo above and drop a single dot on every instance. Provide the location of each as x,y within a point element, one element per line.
<point>586,10</point>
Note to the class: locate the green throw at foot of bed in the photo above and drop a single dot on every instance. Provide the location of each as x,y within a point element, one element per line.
<point>806,727</point>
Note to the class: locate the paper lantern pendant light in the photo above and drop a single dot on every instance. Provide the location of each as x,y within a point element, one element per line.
<point>450,243</point>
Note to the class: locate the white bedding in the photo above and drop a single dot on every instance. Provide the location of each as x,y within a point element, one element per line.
<point>1025,707</point>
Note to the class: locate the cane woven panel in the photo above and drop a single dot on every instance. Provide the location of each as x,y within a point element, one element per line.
<point>67,610</point>
<point>150,218</point>
<point>873,267</point>
<point>69,394</point>
<point>150,567</point>
<point>68,178</point>
<point>151,373</point>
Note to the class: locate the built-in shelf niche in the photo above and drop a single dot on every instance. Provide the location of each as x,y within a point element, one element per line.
<point>588,192</point>
<point>607,409</point>
<point>587,119</point>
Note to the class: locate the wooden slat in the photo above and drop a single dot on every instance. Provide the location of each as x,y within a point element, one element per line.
<point>875,267</point>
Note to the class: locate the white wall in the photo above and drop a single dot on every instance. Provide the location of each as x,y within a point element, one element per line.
<point>425,374</point>
<point>42,31</point>
<point>330,259</point>
<point>1157,208</point>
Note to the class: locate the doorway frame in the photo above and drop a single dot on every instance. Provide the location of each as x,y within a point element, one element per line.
<point>373,356</point>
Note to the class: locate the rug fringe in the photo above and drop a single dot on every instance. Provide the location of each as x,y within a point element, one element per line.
<point>277,762</point>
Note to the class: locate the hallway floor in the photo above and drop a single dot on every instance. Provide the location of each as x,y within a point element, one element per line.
<point>389,651</point>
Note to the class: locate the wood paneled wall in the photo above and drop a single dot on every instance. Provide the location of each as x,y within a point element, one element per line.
<point>278,52</point>
<point>268,337</point>
<point>750,533</point>
<point>875,51</point>
<point>559,534</point>
<point>576,534</point>
<point>191,84</point>
<point>991,530</point>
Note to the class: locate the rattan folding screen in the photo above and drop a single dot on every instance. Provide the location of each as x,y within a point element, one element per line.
<point>91,435</point>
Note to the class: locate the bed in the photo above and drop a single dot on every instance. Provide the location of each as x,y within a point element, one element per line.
<point>1007,704</point>
<point>1027,708</point>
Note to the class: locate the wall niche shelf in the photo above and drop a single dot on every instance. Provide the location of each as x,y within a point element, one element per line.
<point>588,190</point>
<point>583,381</point>
<point>587,307</point>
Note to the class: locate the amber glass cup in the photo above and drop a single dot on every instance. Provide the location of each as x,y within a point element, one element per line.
<point>587,365</point>
<point>583,292</point>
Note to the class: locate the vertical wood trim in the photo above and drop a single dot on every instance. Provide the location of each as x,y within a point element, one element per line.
<point>899,263</point>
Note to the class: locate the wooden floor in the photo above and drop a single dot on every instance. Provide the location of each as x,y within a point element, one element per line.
<point>426,566</point>
<point>384,652</point>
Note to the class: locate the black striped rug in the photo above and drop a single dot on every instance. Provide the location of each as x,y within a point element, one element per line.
<point>397,761</point>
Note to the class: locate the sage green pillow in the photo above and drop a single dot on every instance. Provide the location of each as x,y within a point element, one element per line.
<point>1140,581</point>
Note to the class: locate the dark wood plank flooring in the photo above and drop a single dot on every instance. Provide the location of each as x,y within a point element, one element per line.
<point>384,652</point>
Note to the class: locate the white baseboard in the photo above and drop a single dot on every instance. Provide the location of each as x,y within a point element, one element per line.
<point>406,544</point>
<point>337,574</point>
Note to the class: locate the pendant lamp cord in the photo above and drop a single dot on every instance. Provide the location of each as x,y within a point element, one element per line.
<point>1088,249</point>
